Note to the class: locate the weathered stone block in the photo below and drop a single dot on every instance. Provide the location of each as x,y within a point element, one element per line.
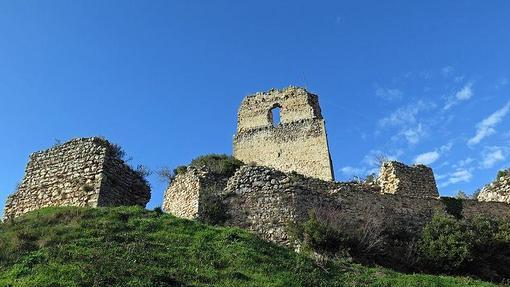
<point>499,190</point>
<point>81,172</point>
<point>398,178</point>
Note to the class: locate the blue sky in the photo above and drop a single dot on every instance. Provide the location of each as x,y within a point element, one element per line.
<point>425,81</point>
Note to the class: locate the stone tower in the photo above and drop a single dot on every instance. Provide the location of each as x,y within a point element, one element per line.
<point>297,143</point>
<point>81,172</point>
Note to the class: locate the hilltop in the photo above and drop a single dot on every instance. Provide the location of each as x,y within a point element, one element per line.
<point>131,246</point>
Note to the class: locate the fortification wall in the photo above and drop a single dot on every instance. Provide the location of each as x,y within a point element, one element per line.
<point>498,191</point>
<point>264,201</point>
<point>298,143</point>
<point>416,180</point>
<point>81,172</point>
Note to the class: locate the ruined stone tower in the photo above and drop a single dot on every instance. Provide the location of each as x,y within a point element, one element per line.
<point>297,143</point>
<point>81,172</point>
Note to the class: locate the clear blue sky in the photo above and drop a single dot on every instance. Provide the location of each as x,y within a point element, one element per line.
<point>425,81</point>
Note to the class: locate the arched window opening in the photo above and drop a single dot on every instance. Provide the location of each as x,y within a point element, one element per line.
<point>275,115</point>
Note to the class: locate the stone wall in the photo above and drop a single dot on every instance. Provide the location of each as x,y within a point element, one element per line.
<point>81,172</point>
<point>298,143</point>
<point>264,201</point>
<point>185,195</point>
<point>499,190</point>
<point>398,178</point>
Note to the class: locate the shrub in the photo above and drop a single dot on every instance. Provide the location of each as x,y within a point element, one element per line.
<point>219,164</point>
<point>168,175</point>
<point>330,230</point>
<point>214,210</point>
<point>118,151</point>
<point>478,246</point>
<point>179,169</point>
<point>319,236</point>
<point>503,173</point>
<point>445,244</point>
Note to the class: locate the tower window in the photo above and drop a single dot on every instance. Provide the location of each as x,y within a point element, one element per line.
<point>275,115</point>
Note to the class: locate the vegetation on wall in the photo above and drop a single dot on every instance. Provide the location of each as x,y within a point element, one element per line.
<point>503,173</point>
<point>218,164</point>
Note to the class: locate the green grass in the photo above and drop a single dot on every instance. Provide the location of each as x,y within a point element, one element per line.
<point>129,246</point>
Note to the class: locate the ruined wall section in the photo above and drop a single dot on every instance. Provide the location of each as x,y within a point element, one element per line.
<point>69,174</point>
<point>185,195</point>
<point>75,174</point>
<point>299,143</point>
<point>416,181</point>
<point>265,201</point>
<point>121,185</point>
<point>498,191</point>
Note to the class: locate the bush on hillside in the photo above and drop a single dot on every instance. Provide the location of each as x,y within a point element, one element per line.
<point>478,246</point>
<point>445,244</point>
<point>327,230</point>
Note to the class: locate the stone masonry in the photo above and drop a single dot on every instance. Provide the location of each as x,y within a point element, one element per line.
<point>264,201</point>
<point>398,178</point>
<point>184,197</point>
<point>298,143</point>
<point>499,190</point>
<point>81,172</point>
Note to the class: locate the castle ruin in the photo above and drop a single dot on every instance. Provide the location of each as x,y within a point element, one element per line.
<point>287,175</point>
<point>297,143</point>
<point>81,172</point>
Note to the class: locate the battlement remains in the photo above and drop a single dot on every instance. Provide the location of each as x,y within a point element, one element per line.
<point>398,178</point>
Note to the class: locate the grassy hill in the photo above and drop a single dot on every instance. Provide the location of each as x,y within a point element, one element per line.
<point>130,246</point>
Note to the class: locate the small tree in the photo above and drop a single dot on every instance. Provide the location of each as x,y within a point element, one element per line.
<point>380,159</point>
<point>503,173</point>
<point>143,171</point>
<point>118,152</point>
<point>461,195</point>
<point>168,175</point>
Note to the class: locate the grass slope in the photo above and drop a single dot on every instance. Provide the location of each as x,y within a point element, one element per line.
<point>129,246</point>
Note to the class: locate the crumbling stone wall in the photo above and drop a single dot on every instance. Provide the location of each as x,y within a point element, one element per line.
<point>264,201</point>
<point>498,190</point>
<point>81,172</point>
<point>299,143</point>
<point>185,195</point>
<point>398,178</point>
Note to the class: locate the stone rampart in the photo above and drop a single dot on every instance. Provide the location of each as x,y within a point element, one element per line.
<point>298,143</point>
<point>81,172</point>
<point>264,201</point>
